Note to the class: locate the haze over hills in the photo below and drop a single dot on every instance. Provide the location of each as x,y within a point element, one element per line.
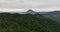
<point>30,11</point>
<point>34,12</point>
<point>55,15</point>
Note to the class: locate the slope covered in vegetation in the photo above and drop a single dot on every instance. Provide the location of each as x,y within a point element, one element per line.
<point>27,23</point>
<point>54,17</point>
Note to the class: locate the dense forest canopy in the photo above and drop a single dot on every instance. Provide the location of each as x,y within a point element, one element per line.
<point>27,23</point>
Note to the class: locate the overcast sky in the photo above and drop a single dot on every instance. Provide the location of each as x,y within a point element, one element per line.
<point>37,5</point>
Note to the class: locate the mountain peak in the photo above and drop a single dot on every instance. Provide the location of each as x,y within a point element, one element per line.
<point>30,11</point>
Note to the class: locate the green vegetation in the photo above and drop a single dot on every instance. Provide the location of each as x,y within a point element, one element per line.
<point>27,23</point>
<point>54,17</point>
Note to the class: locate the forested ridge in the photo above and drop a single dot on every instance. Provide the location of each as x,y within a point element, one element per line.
<point>27,23</point>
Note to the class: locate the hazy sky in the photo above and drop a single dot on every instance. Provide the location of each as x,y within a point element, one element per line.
<point>37,5</point>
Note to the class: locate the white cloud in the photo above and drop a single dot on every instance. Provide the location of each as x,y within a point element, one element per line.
<point>12,10</point>
<point>26,4</point>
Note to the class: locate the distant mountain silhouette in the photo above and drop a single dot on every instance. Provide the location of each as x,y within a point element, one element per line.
<point>53,13</point>
<point>30,11</point>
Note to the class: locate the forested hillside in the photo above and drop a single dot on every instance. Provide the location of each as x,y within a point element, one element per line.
<point>54,17</point>
<point>27,23</point>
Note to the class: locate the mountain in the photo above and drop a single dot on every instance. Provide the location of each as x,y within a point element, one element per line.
<point>27,23</point>
<point>42,13</point>
<point>30,11</point>
<point>53,13</point>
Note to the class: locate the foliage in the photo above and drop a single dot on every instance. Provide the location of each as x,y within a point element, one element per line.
<point>27,23</point>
